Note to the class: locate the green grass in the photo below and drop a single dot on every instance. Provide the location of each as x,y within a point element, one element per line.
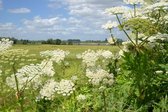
<point>74,49</point>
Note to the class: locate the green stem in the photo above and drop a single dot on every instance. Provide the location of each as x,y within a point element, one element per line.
<point>19,93</point>
<point>125,31</point>
<point>104,101</point>
<point>134,10</point>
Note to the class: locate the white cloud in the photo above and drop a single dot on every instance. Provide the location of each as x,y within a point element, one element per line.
<point>19,10</point>
<point>91,15</point>
<point>7,26</point>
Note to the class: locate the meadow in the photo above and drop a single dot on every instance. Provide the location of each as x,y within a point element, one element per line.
<point>132,77</point>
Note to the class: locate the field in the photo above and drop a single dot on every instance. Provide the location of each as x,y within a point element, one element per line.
<point>127,77</point>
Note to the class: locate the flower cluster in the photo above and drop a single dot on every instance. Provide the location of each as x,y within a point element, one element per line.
<point>55,55</point>
<point>65,87</point>
<point>99,76</point>
<point>47,68</point>
<point>5,44</point>
<point>48,90</point>
<point>30,75</point>
<point>111,40</point>
<point>24,76</point>
<point>116,10</point>
<point>81,97</point>
<point>110,25</point>
<point>134,2</point>
<point>156,7</point>
<point>90,57</point>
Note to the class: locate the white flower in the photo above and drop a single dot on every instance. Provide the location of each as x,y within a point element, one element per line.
<point>159,72</point>
<point>111,40</point>
<point>116,10</point>
<point>48,90</point>
<point>98,76</point>
<point>65,87</point>
<point>81,97</point>
<point>132,2</point>
<point>74,78</point>
<point>110,25</point>
<point>0,72</point>
<point>55,55</point>
<point>157,6</point>
<point>105,54</point>
<point>90,57</point>
<point>47,68</point>
<point>5,44</point>
<point>31,75</point>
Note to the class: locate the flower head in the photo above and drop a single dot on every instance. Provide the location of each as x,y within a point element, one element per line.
<point>134,2</point>
<point>81,97</point>
<point>5,44</point>
<point>65,87</point>
<point>116,10</point>
<point>110,25</point>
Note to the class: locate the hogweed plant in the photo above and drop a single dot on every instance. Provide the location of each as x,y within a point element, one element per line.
<point>133,79</point>
<point>138,59</point>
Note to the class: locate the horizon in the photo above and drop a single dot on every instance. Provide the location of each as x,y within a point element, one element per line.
<point>62,19</point>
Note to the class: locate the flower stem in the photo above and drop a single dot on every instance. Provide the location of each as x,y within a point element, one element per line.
<point>125,31</point>
<point>104,101</point>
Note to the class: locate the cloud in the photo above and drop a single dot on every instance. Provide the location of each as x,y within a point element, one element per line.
<point>91,15</point>
<point>7,26</point>
<point>19,10</point>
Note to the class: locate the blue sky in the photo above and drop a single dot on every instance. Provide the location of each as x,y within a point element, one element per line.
<point>63,19</point>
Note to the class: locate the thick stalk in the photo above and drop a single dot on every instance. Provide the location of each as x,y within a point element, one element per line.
<point>125,31</point>
<point>134,10</point>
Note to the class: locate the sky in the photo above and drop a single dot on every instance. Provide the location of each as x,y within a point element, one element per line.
<point>62,19</point>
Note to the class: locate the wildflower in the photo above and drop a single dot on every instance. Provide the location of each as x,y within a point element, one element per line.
<point>134,2</point>
<point>47,68</point>
<point>65,87</point>
<point>110,25</point>
<point>74,78</point>
<point>5,44</point>
<point>48,90</point>
<point>89,57</point>
<point>159,72</point>
<point>55,55</point>
<point>98,76</point>
<point>105,54</point>
<point>31,75</point>
<point>111,40</point>
<point>81,97</point>
<point>156,7</point>
<point>116,10</point>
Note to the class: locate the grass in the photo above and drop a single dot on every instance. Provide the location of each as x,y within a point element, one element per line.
<point>74,49</point>
<point>75,67</point>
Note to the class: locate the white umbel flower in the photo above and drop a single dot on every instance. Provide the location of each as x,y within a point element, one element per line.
<point>5,44</point>
<point>65,87</point>
<point>81,97</point>
<point>110,25</point>
<point>55,55</point>
<point>48,90</point>
<point>99,76</point>
<point>134,2</point>
<point>116,10</point>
